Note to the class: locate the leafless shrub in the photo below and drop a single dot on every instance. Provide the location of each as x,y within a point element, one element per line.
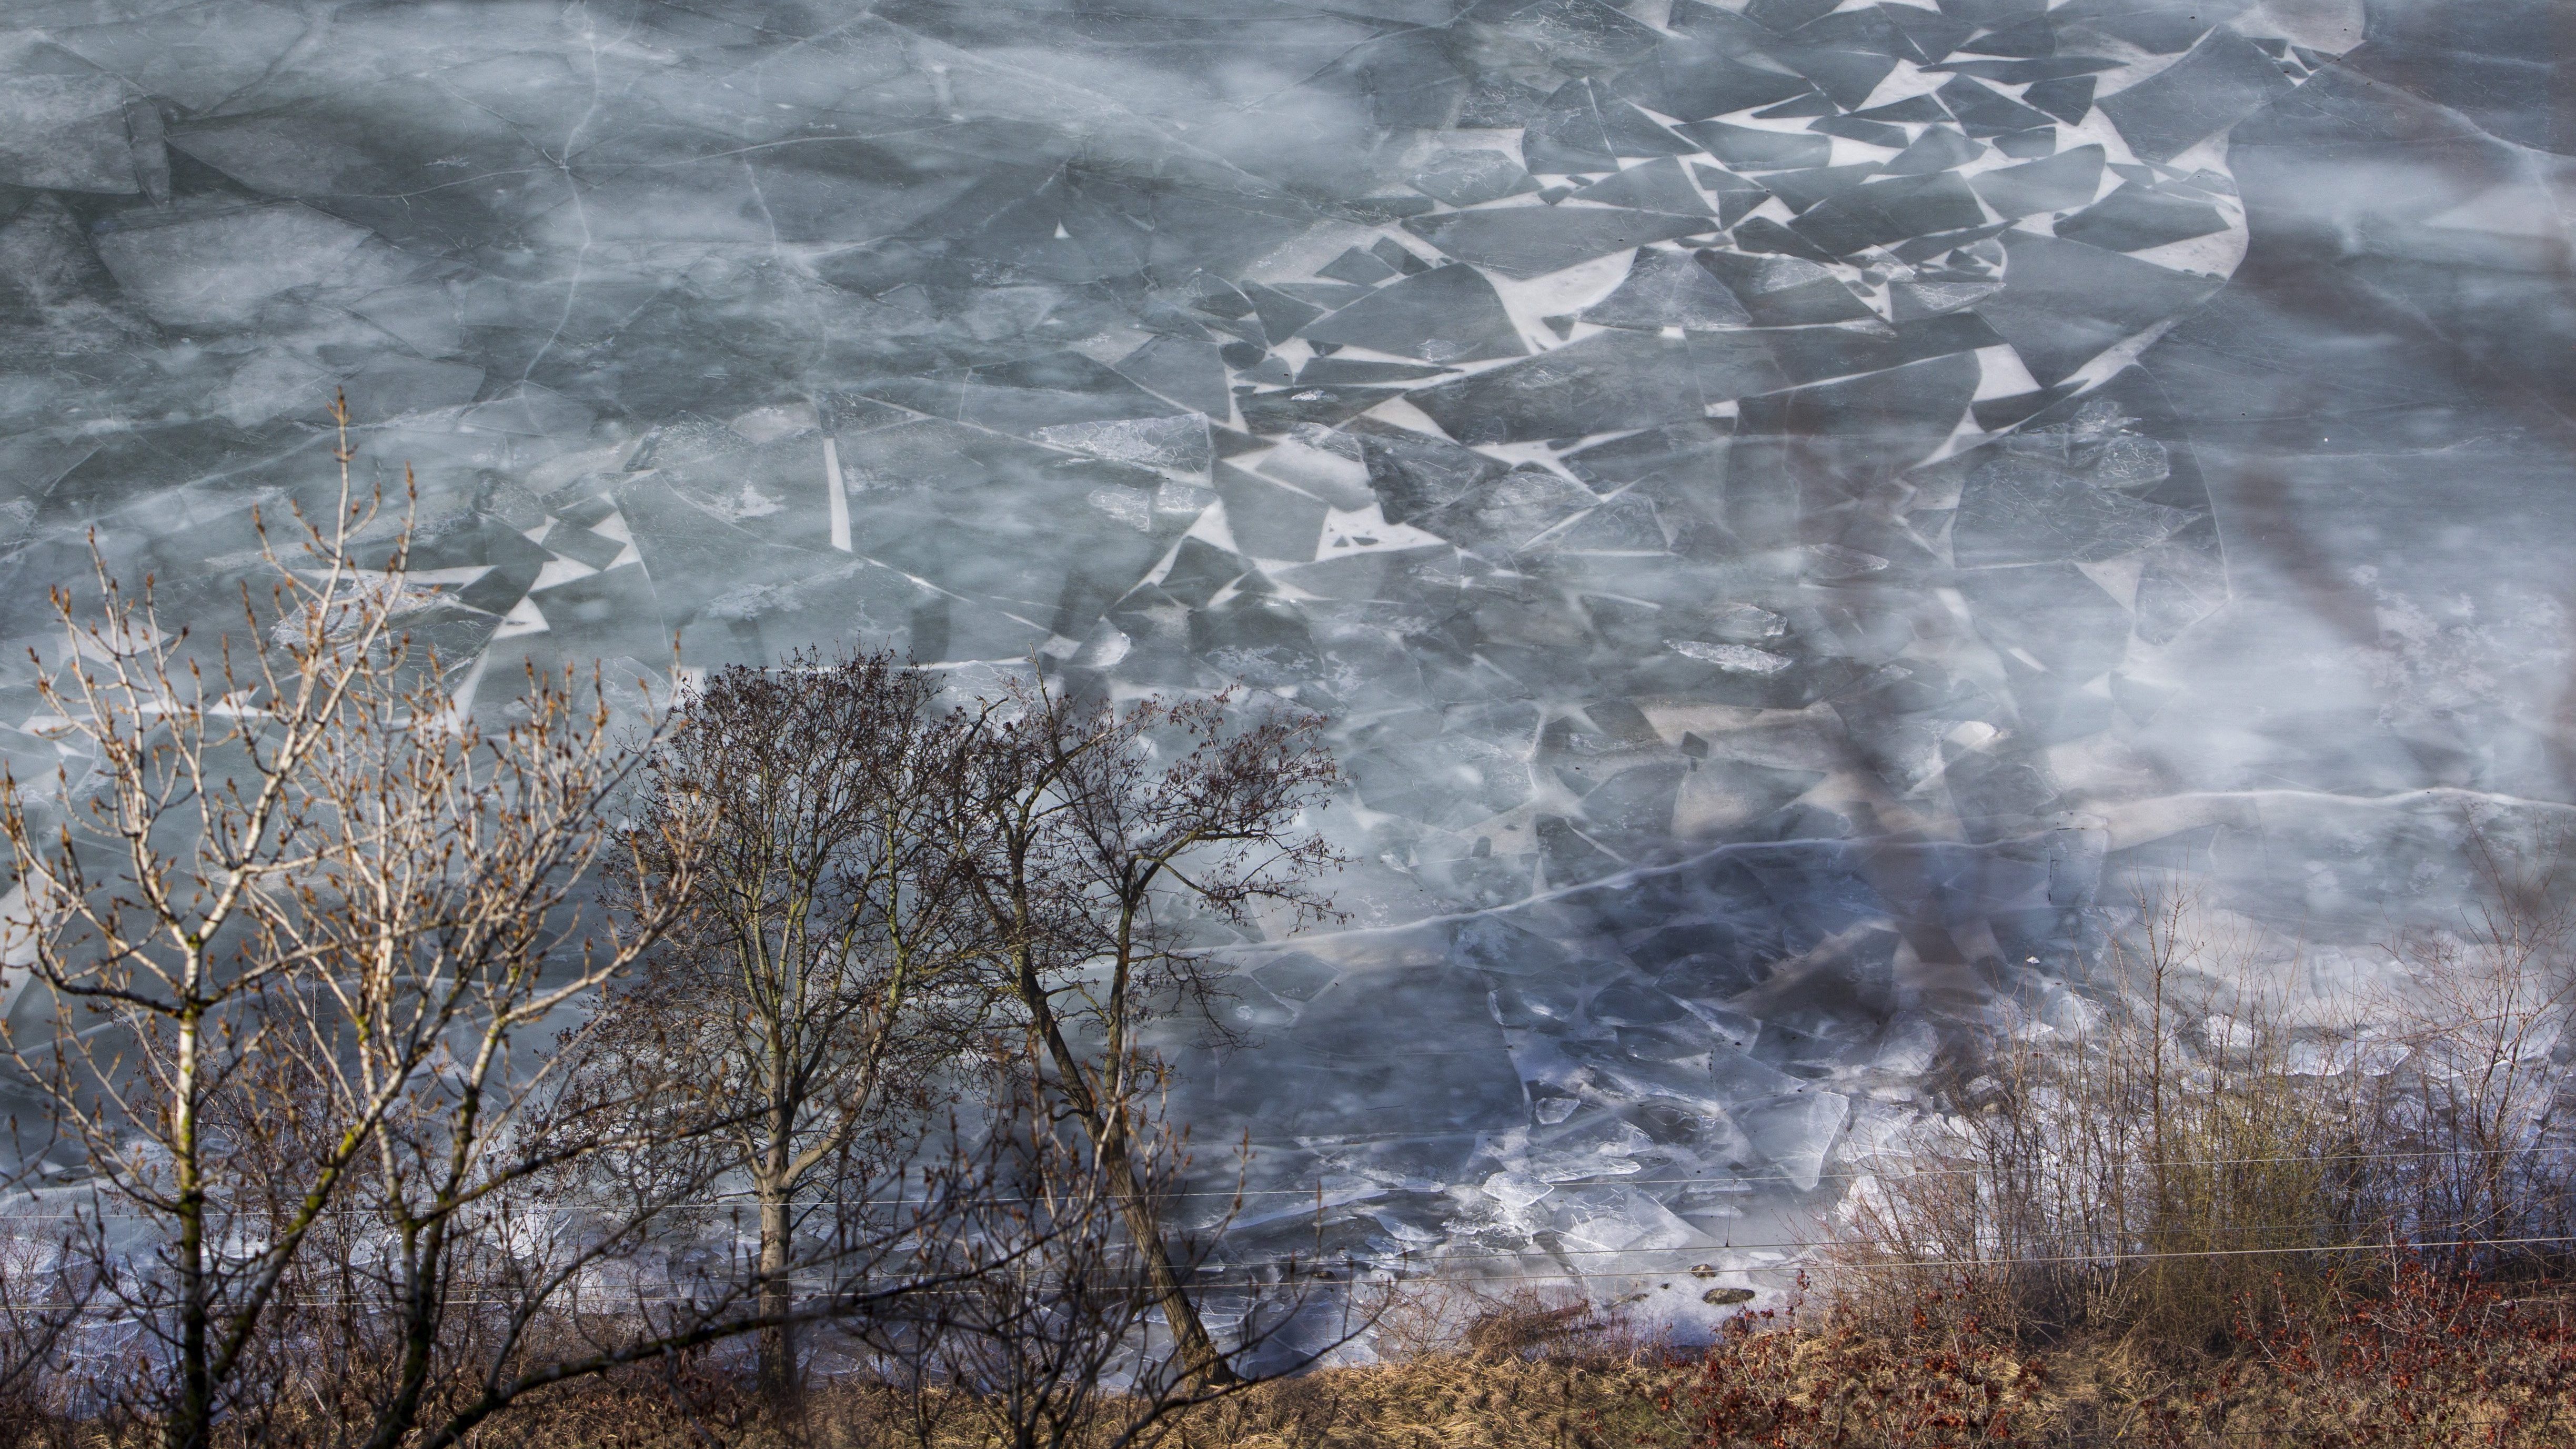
<point>288,938</point>
<point>1097,844</point>
<point>411,1060</point>
<point>808,1001</point>
<point>2477,1167</point>
<point>44,1293</point>
<point>1055,1335</point>
<point>2187,1138</point>
<point>303,948</point>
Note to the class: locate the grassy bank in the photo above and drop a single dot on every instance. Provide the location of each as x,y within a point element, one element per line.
<point>2413,1359</point>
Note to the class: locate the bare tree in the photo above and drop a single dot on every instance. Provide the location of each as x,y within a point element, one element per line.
<point>166,914</point>
<point>44,1295</point>
<point>1057,1349</point>
<point>815,986</point>
<point>297,941</point>
<point>1098,843</point>
<point>2484,1011</point>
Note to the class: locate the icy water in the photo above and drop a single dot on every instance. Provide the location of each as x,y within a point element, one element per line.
<point>1789,506</point>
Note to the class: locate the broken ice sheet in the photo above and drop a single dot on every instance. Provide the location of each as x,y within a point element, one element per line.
<point>1667,289</point>
<point>1467,178</point>
<point>1796,1132</point>
<point>1621,1220</point>
<point>1195,350</point>
<point>2019,509</point>
<point>1739,657</point>
<point>216,265</point>
<point>1526,241</point>
<point>65,132</point>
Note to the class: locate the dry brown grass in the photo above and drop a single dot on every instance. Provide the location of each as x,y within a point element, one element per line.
<point>1522,1376</point>
<point>1520,1372</point>
<point>2418,1361</point>
<point>2192,1133</point>
<point>2421,1361</point>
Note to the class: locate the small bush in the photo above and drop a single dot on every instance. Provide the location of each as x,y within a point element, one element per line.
<point>2184,1138</point>
<point>2436,1360</point>
<point>1944,1380</point>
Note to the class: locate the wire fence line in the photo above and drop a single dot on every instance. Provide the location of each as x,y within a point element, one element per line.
<point>746,1195</point>
<point>1390,1267</point>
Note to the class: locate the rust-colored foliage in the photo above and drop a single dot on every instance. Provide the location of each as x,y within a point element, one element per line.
<point>1945,1381</point>
<point>2435,1360</point>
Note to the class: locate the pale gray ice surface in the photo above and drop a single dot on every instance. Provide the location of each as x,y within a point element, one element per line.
<point>1788,505</point>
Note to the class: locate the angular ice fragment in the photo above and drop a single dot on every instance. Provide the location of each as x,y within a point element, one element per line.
<point>65,133</point>
<point>1597,1145</point>
<point>1986,111</point>
<point>1186,371</point>
<point>1748,148</point>
<point>1414,474</point>
<point>1912,300</point>
<point>2024,510</point>
<point>2054,612</point>
<point>1447,314</point>
<point>269,382</point>
<point>1624,525</point>
<point>2063,182</point>
<point>1527,241</point>
<point>2134,218</point>
<point>391,385</point>
<point>1734,1028</point>
<point>527,410</point>
<point>1297,976</point>
<point>1663,1043</point>
<point>1269,520</point>
<point>1682,1078</point>
<point>1512,511</point>
<point>1739,1078</point>
<point>1668,289</point>
<point>1627,1003</point>
<point>1698,76</point>
<point>1740,658</point>
<point>1177,444</point>
<point>1940,148</point>
<point>2064,302</point>
<point>2185,581</point>
<point>1490,943</point>
<point>1796,1132</point>
<point>1787,291</point>
<point>1880,213</point>
<point>1567,134</point>
<point>1323,462</point>
<point>1745,623</point>
<point>1256,640</point>
<point>1102,648</point>
<point>1623,1220</point>
<point>1353,273</point>
<point>2224,79</point>
<point>1470,178</point>
<point>217,268</point>
<point>1128,506</point>
<point>1658,185</point>
<point>1604,383</point>
<point>1906,1047</point>
<point>1515,1192</point>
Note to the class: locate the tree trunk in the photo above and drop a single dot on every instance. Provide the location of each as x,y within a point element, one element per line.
<point>423,1258</point>
<point>778,1377</point>
<point>192,1416</point>
<point>1198,1350</point>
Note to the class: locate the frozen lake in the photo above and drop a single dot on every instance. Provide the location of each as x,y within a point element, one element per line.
<point>1789,506</point>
